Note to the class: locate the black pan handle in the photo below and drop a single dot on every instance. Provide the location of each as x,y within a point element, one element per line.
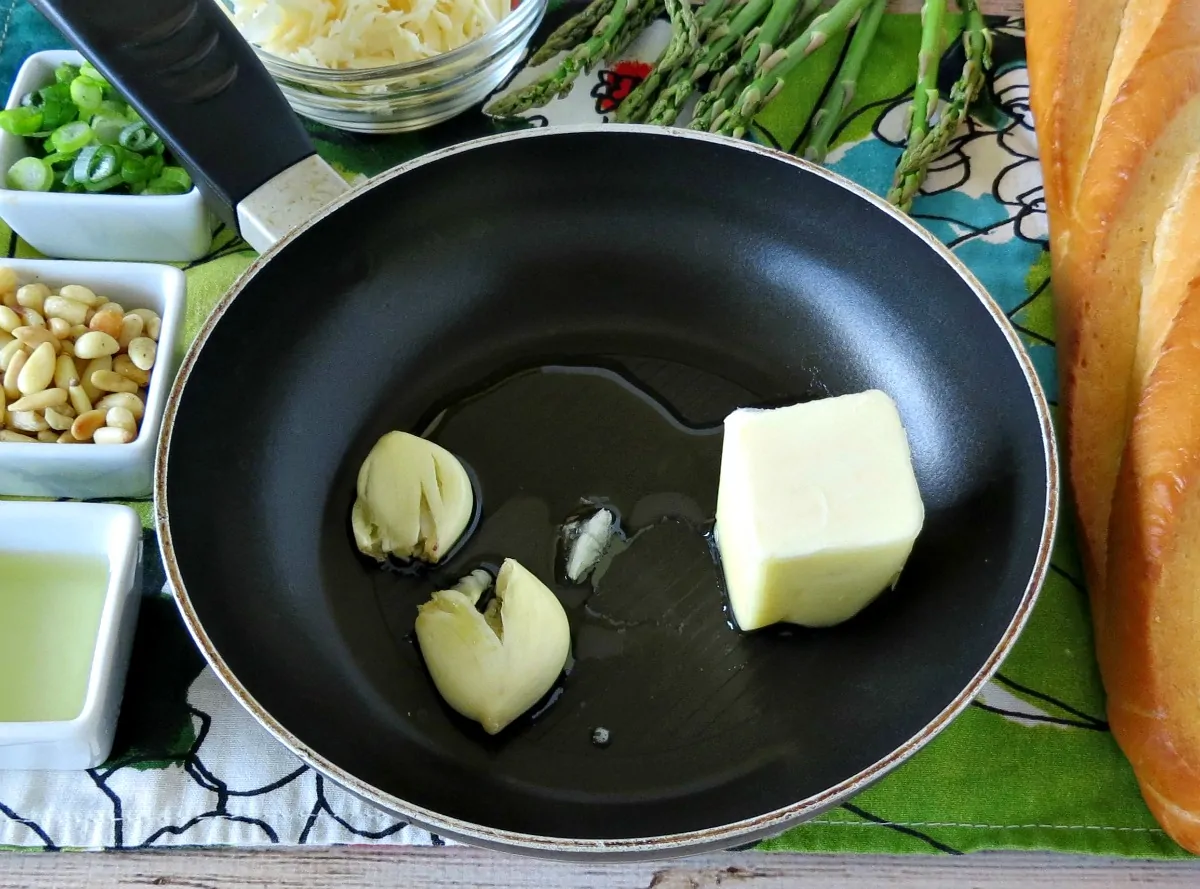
<point>185,68</point>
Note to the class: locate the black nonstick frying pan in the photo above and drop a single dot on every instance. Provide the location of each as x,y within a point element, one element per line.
<point>574,341</point>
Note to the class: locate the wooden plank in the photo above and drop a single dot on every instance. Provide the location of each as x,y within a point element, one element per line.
<point>461,868</point>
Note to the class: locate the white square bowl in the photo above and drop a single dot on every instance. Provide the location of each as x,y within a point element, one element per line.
<point>91,471</point>
<point>114,534</point>
<point>142,228</point>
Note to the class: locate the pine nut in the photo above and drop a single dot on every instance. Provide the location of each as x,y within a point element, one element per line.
<point>109,306</point>
<point>3,407</point>
<point>68,438</point>
<point>60,328</point>
<point>8,280</point>
<point>33,296</point>
<point>39,401</point>
<point>85,425</point>
<point>7,353</point>
<point>131,328</point>
<point>15,365</point>
<point>48,436</point>
<point>121,418</point>
<point>9,437</point>
<point>9,320</point>
<point>111,381</point>
<point>124,365</point>
<point>26,421</point>
<point>78,330</point>
<point>131,403</point>
<point>102,363</point>
<point>96,344</point>
<point>68,347</point>
<point>58,421</point>
<point>143,351</point>
<point>33,337</point>
<point>32,317</point>
<point>65,373</point>
<point>81,294</point>
<point>38,371</point>
<point>67,309</point>
<point>5,338</point>
<point>153,322</point>
<point>80,400</point>
<point>109,435</point>
<point>108,321</point>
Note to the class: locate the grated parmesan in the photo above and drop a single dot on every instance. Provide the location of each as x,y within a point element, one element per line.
<point>347,34</point>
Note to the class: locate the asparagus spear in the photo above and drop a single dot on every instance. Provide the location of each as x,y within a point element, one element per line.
<point>925,98</point>
<point>733,79</point>
<point>768,79</point>
<point>977,42</point>
<point>710,14</point>
<point>572,32</point>
<point>636,22</point>
<point>841,93</point>
<point>721,42</point>
<point>558,82</point>
<point>685,40</point>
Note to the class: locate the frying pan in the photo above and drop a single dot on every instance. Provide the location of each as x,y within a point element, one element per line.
<point>574,340</point>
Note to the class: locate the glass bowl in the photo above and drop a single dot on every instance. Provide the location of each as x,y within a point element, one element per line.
<point>413,95</point>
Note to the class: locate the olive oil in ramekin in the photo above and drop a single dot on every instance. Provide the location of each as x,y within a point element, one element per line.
<point>50,607</point>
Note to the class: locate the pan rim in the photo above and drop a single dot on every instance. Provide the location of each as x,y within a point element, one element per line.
<point>667,845</point>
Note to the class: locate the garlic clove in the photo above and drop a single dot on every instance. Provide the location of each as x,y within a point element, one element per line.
<point>492,666</point>
<point>414,500</point>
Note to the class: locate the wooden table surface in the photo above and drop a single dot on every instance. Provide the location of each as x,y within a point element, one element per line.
<point>457,867</point>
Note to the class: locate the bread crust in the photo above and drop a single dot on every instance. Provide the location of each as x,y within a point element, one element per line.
<point>1152,673</point>
<point>1122,166</point>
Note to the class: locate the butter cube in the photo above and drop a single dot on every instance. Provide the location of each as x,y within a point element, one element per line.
<point>817,509</point>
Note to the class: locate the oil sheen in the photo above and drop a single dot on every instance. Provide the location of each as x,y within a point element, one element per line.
<point>550,444</point>
<point>50,607</point>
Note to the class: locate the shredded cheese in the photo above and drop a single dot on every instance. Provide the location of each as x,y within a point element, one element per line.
<point>346,34</point>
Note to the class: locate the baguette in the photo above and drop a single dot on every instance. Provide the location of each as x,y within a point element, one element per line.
<point>1069,45</point>
<point>1104,242</point>
<point>1152,676</point>
<point>1125,245</point>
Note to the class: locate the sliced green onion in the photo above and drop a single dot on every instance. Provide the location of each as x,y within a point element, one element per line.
<point>179,176</point>
<point>105,184</point>
<point>107,128</point>
<point>30,174</point>
<point>139,137</point>
<point>71,137</point>
<point>56,112</point>
<point>90,139</point>
<point>170,182</point>
<point>134,169</point>
<point>60,91</point>
<point>56,158</point>
<point>87,69</point>
<point>114,108</point>
<point>87,94</point>
<point>21,121</point>
<point>96,163</point>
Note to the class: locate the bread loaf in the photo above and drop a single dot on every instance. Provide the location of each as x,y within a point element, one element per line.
<point>1152,674</point>
<point>1122,165</point>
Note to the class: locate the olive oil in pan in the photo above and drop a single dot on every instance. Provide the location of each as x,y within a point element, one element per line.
<point>637,437</point>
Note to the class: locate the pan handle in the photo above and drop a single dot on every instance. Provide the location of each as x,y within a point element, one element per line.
<point>185,68</point>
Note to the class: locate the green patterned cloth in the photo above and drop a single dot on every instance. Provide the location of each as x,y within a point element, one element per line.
<point>1031,765</point>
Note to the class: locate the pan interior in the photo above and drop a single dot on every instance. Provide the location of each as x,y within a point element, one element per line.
<point>706,276</point>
